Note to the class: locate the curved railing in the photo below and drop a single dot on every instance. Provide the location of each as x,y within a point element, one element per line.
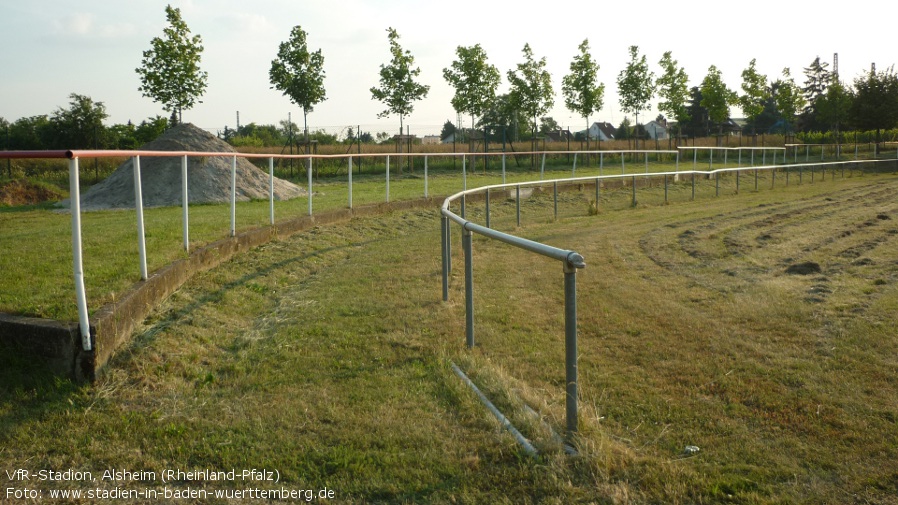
<point>571,260</point>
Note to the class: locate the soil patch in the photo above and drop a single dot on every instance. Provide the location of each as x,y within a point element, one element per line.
<point>23,192</point>
<point>805,268</point>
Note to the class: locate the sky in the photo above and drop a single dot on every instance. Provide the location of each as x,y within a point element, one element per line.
<point>52,48</point>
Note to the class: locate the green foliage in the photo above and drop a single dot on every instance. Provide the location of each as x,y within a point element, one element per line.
<point>80,126</point>
<point>398,89</point>
<point>716,96</point>
<point>448,129</point>
<point>474,79</point>
<point>170,73</point>
<point>673,90</point>
<point>636,84</point>
<point>298,73</point>
<point>582,93</point>
<point>531,86</point>
<point>834,106</point>
<point>755,93</point>
<point>875,106</point>
<point>788,97</point>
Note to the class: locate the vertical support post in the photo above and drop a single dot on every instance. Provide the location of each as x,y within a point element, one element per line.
<point>574,170</point>
<point>487,196</point>
<point>388,177</point>
<point>646,162</point>
<point>716,183</point>
<point>467,239</point>
<point>601,162</point>
<point>138,206</point>
<point>773,177</point>
<point>271,191</point>
<point>184,202</point>
<point>463,206</point>
<point>633,201</point>
<point>464,172</point>
<point>77,263</point>
<point>444,246</point>
<point>739,160</point>
<point>555,198</point>
<point>693,185</point>
<point>350,182</point>
<point>570,346</point>
<point>542,167</point>
<point>726,153</point>
<point>711,159</point>
<point>448,247</point>
<point>694,158</point>
<point>756,179</point>
<point>517,199</point>
<point>623,164</point>
<point>597,194</point>
<point>234,196</point>
<point>426,195</point>
<point>665,189</point>
<point>309,176</point>
<point>737,182</point>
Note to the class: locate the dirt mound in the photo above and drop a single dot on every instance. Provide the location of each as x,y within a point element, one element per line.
<point>805,268</point>
<point>23,192</point>
<point>208,178</point>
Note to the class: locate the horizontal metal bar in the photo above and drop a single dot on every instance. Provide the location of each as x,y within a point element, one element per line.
<point>570,257</point>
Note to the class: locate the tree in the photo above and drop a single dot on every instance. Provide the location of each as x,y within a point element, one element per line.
<point>673,90</point>
<point>875,106</point>
<point>548,124</point>
<point>502,112</point>
<point>698,114</point>
<point>834,106</point>
<point>755,94</point>
<point>583,93</point>
<point>170,72</point>
<point>398,89</point>
<point>299,74</point>
<point>448,129</point>
<point>788,97</point>
<point>531,87</point>
<point>81,125</point>
<point>474,79</point>
<point>717,97</point>
<point>635,85</point>
<point>817,80</point>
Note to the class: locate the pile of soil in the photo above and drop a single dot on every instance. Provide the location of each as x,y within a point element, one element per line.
<point>208,178</point>
<point>24,192</point>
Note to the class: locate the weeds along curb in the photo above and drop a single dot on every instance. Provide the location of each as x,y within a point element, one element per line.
<point>55,346</point>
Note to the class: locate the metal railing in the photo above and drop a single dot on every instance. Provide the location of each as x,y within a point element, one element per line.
<point>572,261</point>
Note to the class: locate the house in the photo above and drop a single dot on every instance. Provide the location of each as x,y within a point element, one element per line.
<point>600,131</point>
<point>655,130</point>
<point>430,139</point>
<point>559,136</point>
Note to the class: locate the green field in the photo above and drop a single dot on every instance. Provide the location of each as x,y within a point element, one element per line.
<point>325,356</point>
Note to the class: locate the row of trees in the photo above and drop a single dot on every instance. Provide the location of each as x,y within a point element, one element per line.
<point>170,74</point>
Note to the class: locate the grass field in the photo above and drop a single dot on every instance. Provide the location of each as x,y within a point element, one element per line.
<point>325,357</point>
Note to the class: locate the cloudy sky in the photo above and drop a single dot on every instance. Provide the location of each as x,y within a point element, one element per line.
<point>52,48</point>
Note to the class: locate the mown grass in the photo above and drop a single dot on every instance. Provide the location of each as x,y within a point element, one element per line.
<point>325,356</point>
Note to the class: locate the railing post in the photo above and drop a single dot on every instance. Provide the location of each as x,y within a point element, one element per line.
<point>444,224</point>
<point>737,181</point>
<point>425,177</point>
<point>665,189</point>
<point>271,190</point>
<point>184,202</point>
<point>467,239</point>
<point>633,202</point>
<point>464,172</point>
<point>542,168</point>
<point>309,173</point>
<point>555,198</point>
<point>517,199</point>
<point>756,179</point>
<point>234,196</point>
<point>574,170</point>
<point>487,208</point>
<point>388,176</point>
<point>138,206</point>
<point>77,263</point>
<point>597,194</point>
<point>693,185</point>
<point>350,182</point>
<point>570,346</point>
